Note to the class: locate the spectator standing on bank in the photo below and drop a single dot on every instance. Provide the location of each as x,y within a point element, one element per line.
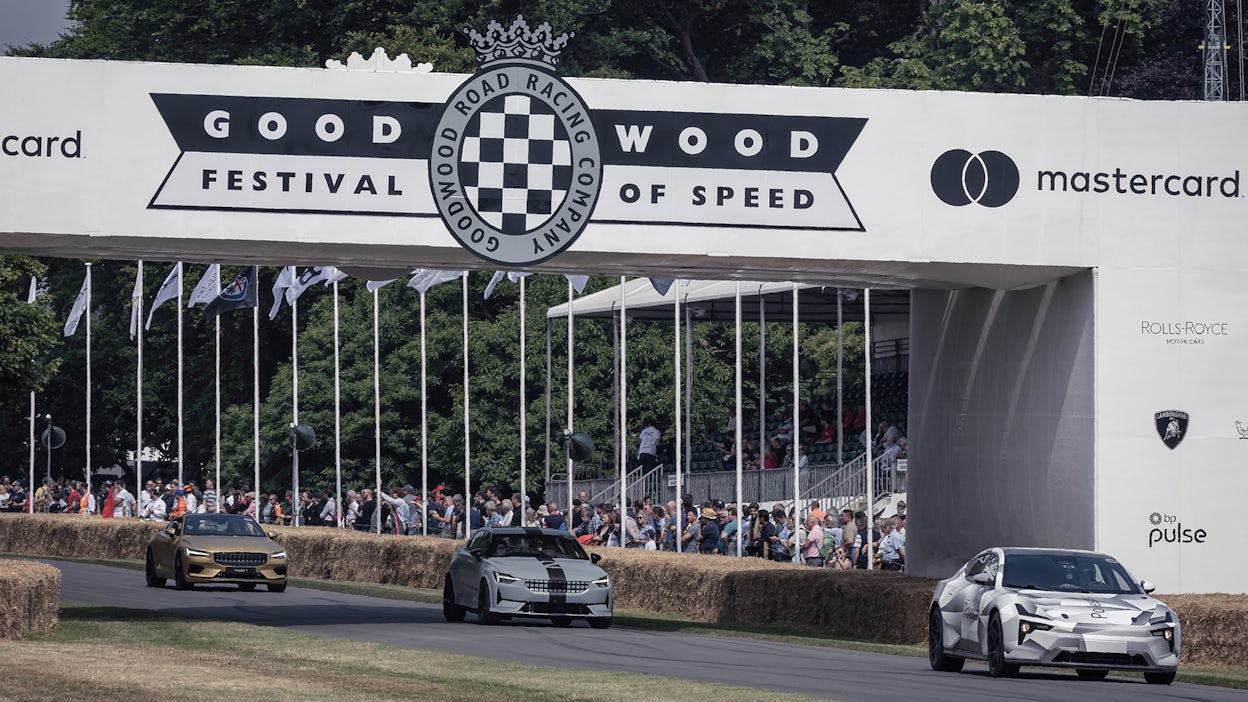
<point>648,446</point>
<point>708,531</point>
<point>812,545</point>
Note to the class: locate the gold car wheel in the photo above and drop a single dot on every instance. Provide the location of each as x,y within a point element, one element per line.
<point>179,575</point>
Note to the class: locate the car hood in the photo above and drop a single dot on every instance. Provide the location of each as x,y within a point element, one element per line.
<point>1117,610</point>
<point>539,568</point>
<point>250,544</point>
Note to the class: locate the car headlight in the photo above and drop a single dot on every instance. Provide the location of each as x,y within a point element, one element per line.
<point>1167,634</point>
<point>279,554</point>
<point>196,553</point>
<point>1026,627</point>
<point>504,579</point>
<point>604,581</point>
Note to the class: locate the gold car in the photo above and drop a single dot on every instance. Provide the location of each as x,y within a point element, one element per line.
<point>215,548</point>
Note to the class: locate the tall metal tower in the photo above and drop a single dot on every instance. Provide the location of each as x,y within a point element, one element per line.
<point>1214,48</point>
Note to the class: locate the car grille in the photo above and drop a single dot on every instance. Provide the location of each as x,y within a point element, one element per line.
<point>555,608</point>
<point>559,587</point>
<point>1121,660</point>
<point>238,558</point>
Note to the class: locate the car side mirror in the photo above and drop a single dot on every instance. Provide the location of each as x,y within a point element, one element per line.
<point>271,534</point>
<point>982,577</point>
<point>1148,587</point>
<point>172,530</point>
<point>475,553</point>
<point>594,558</point>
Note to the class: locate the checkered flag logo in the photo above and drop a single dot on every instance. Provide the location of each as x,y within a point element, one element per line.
<point>516,163</point>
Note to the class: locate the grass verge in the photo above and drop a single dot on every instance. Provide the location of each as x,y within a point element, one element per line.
<point>126,655</point>
<point>1229,677</point>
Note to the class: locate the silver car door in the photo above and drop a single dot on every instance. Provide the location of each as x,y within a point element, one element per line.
<point>978,595</point>
<point>972,593</point>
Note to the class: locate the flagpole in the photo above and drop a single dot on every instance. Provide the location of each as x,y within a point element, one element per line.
<point>377,407</point>
<point>797,429</point>
<point>467,446</point>
<point>623,415</point>
<point>737,420</point>
<point>255,403</point>
<point>524,409</point>
<point>138,393</point>
<point>866,342</point>
<point>88,432</point>
<point>30,506</point>
<point>571,317</point>
<point>547,481</point>
<point>294,398</point>
<point>216,483</point>
<point>338,513</point>
<point>181,480</point>
<point>676,366</point>
<point>424,426</point>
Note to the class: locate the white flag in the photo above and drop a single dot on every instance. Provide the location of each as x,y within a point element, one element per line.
<point>80,306</point>
<point>335,275</point>
<point>284,279</point>
<point>425,278</point>
<point>168,291</point>
<point>136,296</point>
<point>34,290</point>
<point>489,287</point>
<point>375,285</point>
<point>209,287</point>
<point>309,277</point>
<point>578,282</point>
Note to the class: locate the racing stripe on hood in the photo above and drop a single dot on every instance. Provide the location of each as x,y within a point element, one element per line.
<point>558,580</point>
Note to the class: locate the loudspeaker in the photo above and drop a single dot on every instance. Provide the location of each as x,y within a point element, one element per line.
<point>302,437</point>
<point>580,446</point>
<point>58,437</point>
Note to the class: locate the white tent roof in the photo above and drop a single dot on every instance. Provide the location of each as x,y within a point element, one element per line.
<point>715,300</point>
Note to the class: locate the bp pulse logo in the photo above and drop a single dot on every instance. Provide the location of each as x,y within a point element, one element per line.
<point>515,166</point>
<point>1167,529</point>
<point>988,178</point>
<point>1171,427</point>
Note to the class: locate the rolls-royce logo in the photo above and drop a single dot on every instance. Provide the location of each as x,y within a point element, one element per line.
<point>988,178</point>
<point>1171,427</point>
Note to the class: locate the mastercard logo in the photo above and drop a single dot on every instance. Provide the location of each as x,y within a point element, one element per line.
<point>988,178</point>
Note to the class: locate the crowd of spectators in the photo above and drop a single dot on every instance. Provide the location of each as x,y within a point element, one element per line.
<point>811,537</point>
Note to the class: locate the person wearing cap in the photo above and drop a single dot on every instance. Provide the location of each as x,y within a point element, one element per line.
<point>106,510</point>
<point>413,509</point>
<point>708,531</point>
<point>192,500</point>
<point>179,504</point>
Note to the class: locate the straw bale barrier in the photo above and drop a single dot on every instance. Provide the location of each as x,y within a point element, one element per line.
<point>887,607</point>
<point>29,597</point>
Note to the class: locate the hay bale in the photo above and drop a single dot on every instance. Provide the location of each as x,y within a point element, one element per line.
<point>29,597</point>
<point>1212,628</point>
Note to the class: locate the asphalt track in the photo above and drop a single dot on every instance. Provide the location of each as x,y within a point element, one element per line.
<point>810,670</point>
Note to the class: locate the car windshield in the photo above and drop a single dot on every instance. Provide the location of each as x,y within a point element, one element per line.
<point>1067,573</point>
<point>509,545</point>
<point>221,525</point>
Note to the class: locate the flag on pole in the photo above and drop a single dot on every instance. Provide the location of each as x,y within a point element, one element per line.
<point>309,277</point>
<point>425,278</point>
<point>578,282</point>
<point>284,280</point>
<point>241,293</point>
<point>335,275</point>
<point>374,285</point>
<point>168,291</point>
<point>489,287</point>
<point>662,285</point>
<point>34,290</point>
<point>80,306</point>
<point>209,287</point>
<point>136,296</point>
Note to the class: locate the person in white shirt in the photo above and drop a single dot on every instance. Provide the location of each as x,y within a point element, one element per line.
<point>892,548</point>
<point>123,502</point>
<point>647,448</point>
<point>153,509</point>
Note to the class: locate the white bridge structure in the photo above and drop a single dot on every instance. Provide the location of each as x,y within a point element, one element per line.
<point>1074,265</point>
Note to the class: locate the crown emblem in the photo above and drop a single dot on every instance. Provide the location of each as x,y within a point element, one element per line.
<point>518,42</point>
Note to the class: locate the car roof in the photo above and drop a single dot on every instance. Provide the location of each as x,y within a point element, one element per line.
<point>531,531</point>
<point>1020,550</point>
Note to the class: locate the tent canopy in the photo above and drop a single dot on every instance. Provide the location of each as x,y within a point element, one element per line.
<point>715,301</point>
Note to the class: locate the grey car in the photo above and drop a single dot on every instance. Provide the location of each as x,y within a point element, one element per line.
<point>1049,607</point>
<point>512,572</point>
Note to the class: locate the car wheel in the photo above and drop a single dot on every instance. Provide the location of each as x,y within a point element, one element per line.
<point>246,587</point>
<point>277,587</point>
<point>1159,678</point>
<point>149,569</point>
<point>936,656</point>
<point>998,667</point>
<point>1088,674</point>
<point>179,577</point>
<point>484,615</point>
<point>561,622</point>
<point>451,611</point>
<point>600,622</point>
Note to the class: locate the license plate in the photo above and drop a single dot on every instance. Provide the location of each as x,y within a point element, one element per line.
<point>1104,644</point>
<point>240,572</point>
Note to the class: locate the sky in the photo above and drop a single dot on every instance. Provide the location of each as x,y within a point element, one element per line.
<point>25,21</point>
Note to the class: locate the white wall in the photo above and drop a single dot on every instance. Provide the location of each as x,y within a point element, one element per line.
<point>1001,421</point>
